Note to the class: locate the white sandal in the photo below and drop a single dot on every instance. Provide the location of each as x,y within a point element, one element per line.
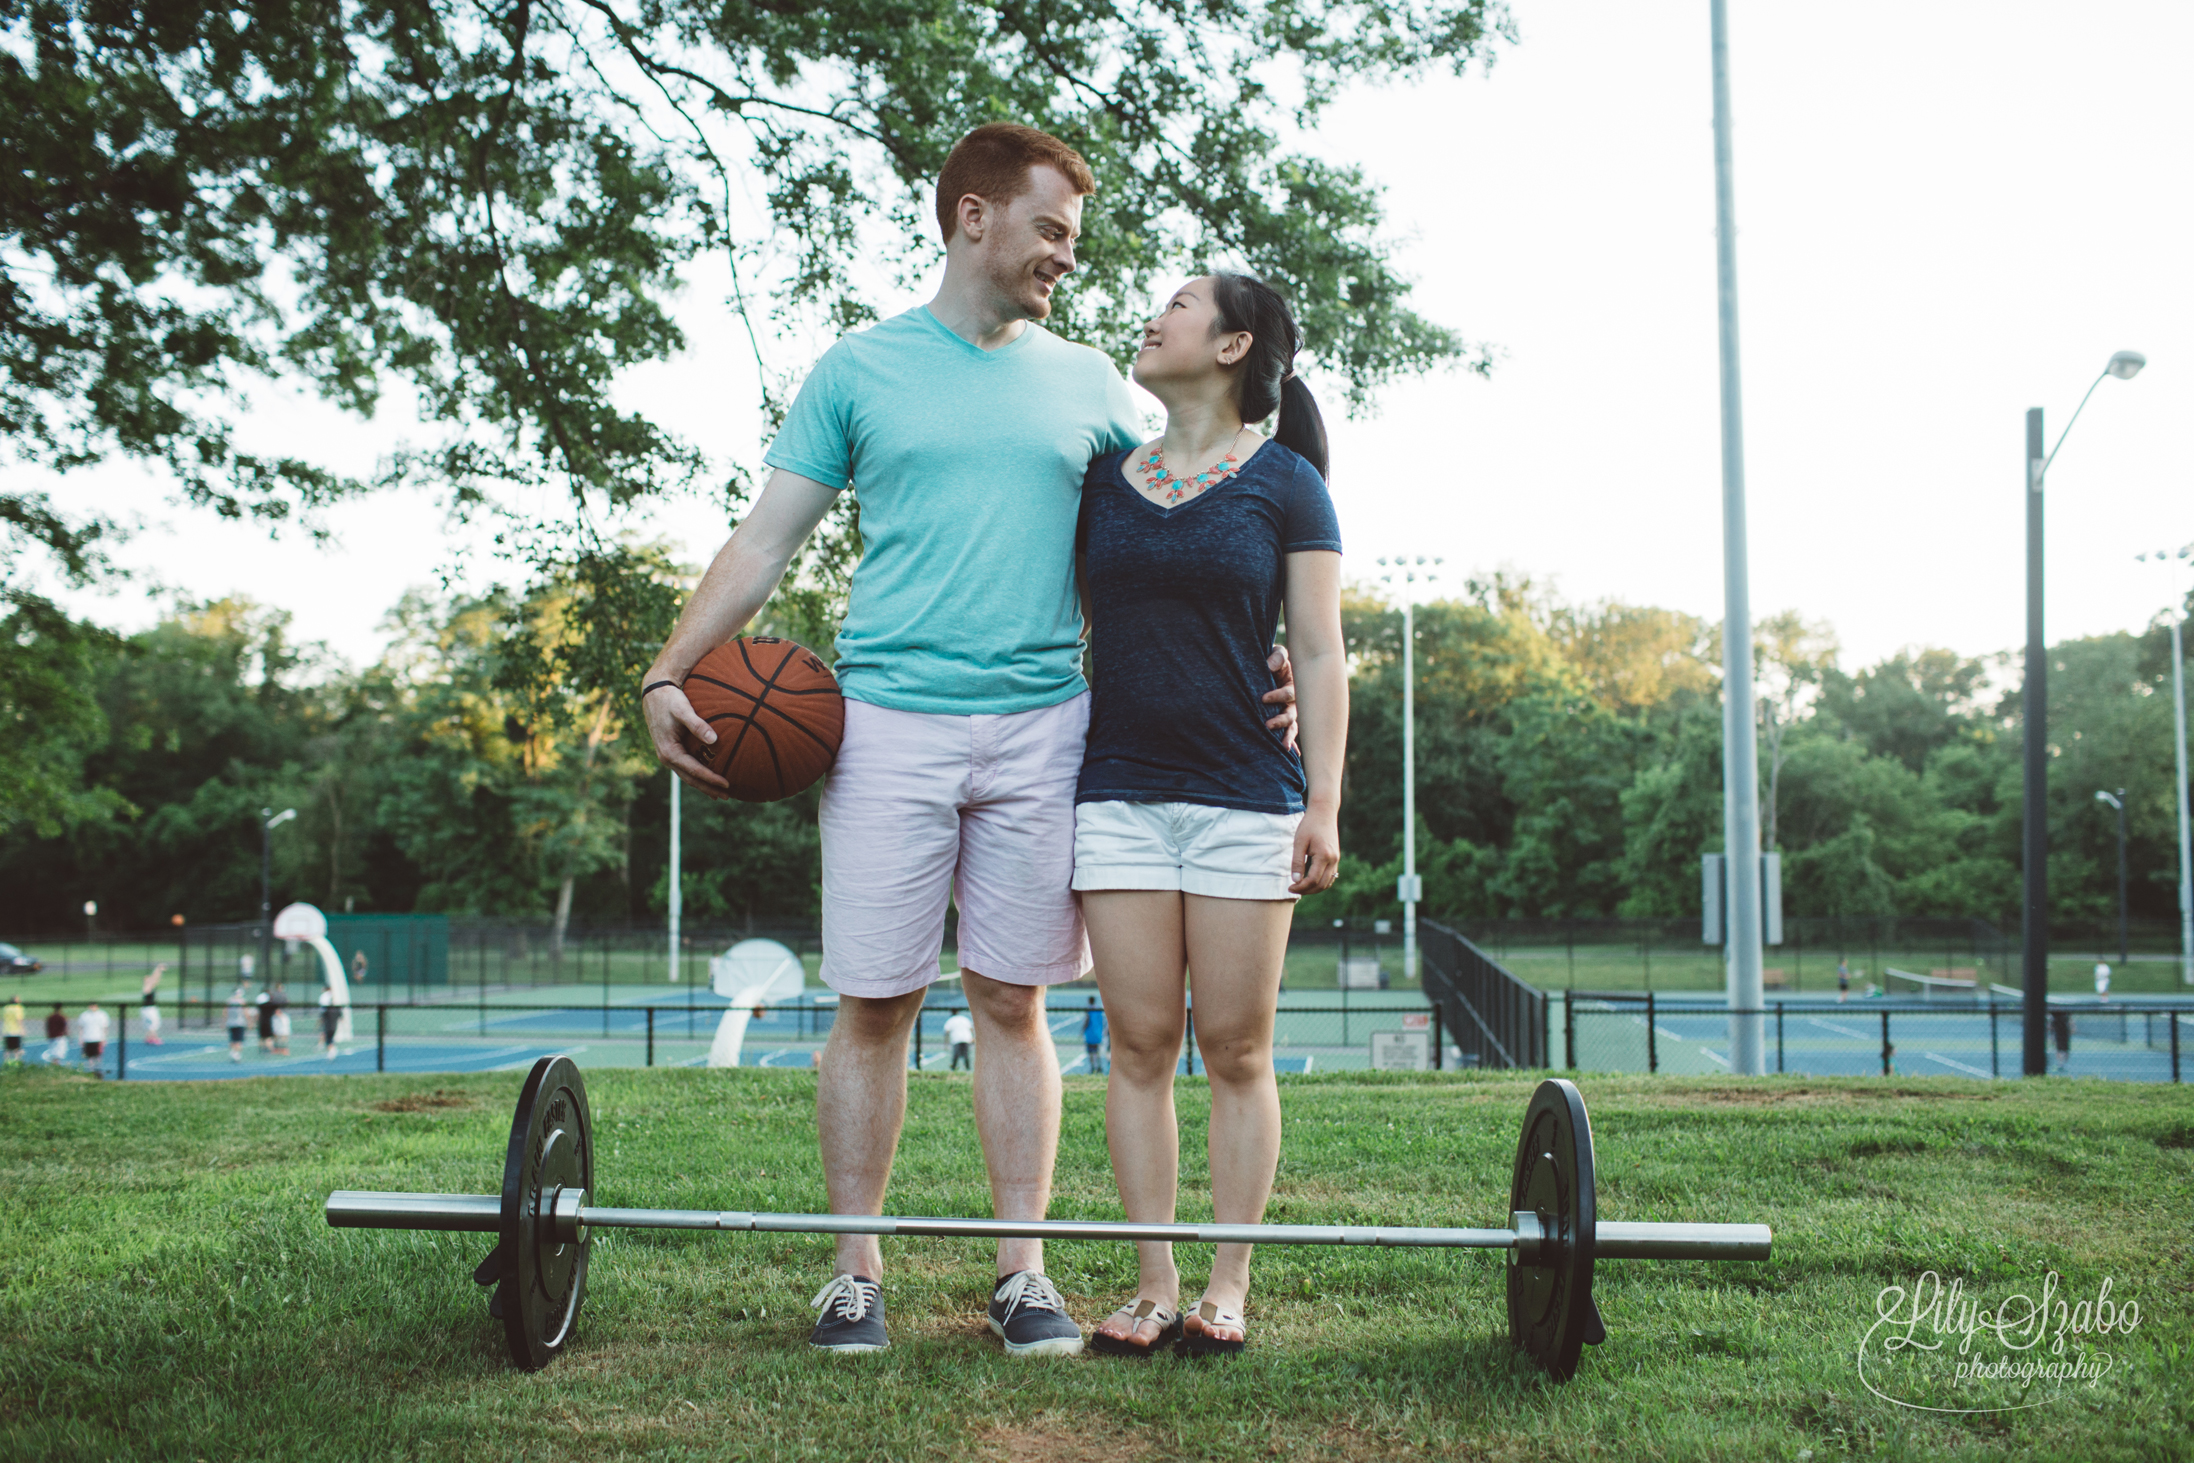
<point>1135,1312</point>
<point>1203,1343</point>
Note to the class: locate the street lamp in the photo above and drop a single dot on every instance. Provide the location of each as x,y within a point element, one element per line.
<point>2034,900</point>
<point>1406,573</point>
<point>2118,802</point>
<point>2178,747</point>
<point>269,821</point>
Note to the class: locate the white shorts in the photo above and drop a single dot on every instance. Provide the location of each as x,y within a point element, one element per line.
<point>1224,853</point>
<point>921,808</point>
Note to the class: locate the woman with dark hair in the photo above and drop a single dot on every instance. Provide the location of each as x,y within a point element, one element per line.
<point>1198,825</point>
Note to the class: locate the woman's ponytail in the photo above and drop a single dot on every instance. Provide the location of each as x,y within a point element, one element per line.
<point>1266,380</point>
<point>1302,427</point>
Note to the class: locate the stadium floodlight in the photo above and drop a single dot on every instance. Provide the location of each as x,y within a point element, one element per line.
<point>2180,561</point>
<point>1743,954</point>
<point>2034,835</point>
<point>1405,573</point>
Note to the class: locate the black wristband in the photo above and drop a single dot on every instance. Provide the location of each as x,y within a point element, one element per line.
<point>654,686</point>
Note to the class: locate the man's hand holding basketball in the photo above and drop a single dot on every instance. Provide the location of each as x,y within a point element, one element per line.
<point>737,584</point>
<point>667,710</point>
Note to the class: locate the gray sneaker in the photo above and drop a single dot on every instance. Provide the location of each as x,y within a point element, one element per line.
<point>852,1318</point>
<point>1030,1317</point>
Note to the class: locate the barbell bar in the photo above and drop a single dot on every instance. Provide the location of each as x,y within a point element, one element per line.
<point>545,1219</point>
<point>573,1216</point>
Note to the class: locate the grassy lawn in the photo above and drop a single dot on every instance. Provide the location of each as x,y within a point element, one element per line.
<point>168,1289</point>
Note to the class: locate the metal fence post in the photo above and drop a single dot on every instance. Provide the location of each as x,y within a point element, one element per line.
<point>2174,1046</point>
<point>381,1037</point>
<point>651,1036</point>
<point>1887,1049</point>
<point>1779,1037</point>
<point>1439,1042</point>
<point>122,1045</point>
<point>1995,1069</point>
<point>1653,1047</point>
<point>1192,1041</point>
<point>919,1012</point>
<point>1569,1030</point>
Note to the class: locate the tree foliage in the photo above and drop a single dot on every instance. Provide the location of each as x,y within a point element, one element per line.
<point>471,770</point>
<point>490,202</point>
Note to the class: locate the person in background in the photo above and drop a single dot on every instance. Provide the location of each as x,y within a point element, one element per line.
<point>2060,1026</point>
<point>2102,982</point>
<point>148,1006</point>
<point>91,1034</point>
<point>57,1035</point>
<point>331,1021</point>
<point>960,1033</point>
<point>11,1028</point>
<point>1843,981</point>
<point>279,1005</point>
<point>1093,1034</point>
<point>265,1005</point>
<point>358,968</point>
<point>239,1007</point>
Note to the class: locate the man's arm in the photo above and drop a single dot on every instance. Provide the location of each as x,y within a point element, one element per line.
<point>738,583</point>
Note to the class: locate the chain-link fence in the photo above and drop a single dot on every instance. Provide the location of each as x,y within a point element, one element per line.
<point>475,1032</point>
<point>1610,1031</point>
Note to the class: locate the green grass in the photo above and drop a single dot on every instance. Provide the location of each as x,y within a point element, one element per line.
<point>168,1290</point>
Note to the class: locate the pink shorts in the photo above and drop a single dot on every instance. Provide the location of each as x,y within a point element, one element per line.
<point>921,808</point>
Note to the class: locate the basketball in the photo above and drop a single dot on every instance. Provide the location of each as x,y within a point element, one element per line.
<point>777,714</point>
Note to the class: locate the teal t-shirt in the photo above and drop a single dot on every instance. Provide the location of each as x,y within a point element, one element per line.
<point>968,465</point>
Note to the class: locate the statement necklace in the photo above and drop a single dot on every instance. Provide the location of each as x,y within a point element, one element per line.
<point>1162,479</point>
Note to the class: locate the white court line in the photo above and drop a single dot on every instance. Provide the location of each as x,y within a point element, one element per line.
<point>1713,1056</point>
<point>1969,1071</point>
<point>1080,1061</point>
<point>569,1051</point>
<point>1840,1030</point>
<point>1667,1035</point>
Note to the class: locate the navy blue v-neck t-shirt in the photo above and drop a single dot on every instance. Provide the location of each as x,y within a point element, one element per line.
<point>1184,602</point>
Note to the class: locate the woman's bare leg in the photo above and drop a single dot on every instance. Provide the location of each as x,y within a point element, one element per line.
<point>1237,949</point>
<point>1135,937</point>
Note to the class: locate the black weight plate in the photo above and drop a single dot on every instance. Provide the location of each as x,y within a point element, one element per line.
<point>551,1147</point>
<point>1550,1310</point>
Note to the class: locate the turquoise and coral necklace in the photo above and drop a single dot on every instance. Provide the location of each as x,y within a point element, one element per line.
<point>1162,480</point>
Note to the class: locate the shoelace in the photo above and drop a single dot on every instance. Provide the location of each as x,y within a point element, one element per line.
<point>850,1294</point>
<point>1031,1290</point>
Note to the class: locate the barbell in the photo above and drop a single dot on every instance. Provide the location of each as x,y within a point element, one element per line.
<point>546,1213</point>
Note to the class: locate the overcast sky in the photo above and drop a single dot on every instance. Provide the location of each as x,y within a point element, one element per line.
<point>1947,213</point>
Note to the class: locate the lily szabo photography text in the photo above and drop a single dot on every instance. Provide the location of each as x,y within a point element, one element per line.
<point>1938,1340</point>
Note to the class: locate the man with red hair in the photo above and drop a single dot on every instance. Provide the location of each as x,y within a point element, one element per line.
<point>965,428</point>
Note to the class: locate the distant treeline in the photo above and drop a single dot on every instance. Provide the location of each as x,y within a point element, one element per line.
<point>1569,765</point>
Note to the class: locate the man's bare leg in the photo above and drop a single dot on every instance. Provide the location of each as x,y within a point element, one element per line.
<point>1016,1105</point>
<point>860,1105</point>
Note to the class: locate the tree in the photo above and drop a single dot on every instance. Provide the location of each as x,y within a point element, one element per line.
<point>493,202</point>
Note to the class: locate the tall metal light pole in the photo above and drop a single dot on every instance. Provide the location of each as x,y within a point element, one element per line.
<point>677,882</point>
<point>2178,747</point>
<point>2117,801</point>
<point>2034,898</point>
<point>1740,744</point>
<point>1409,889</point>
<point>269,821</point>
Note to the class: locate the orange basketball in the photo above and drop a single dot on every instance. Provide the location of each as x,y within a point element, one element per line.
<point>777,714</point>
